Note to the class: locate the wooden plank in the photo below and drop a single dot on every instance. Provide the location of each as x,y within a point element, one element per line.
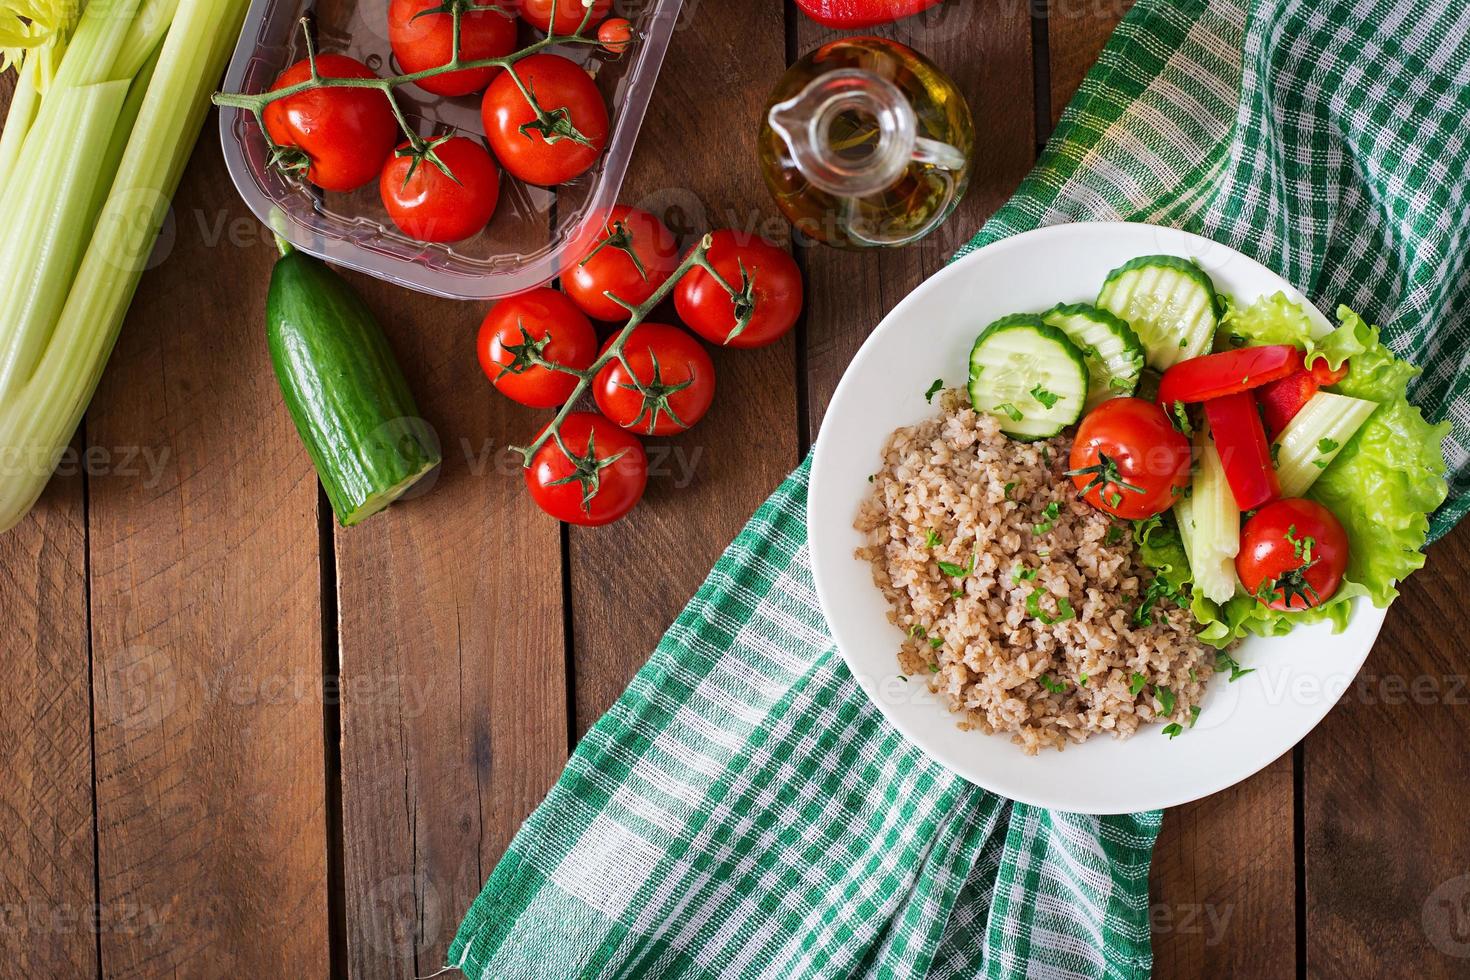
<point>454,714</point>
<point>47,828</point>
<point>1387,851</point>
<point>695,168</point>
<point>986,49</point>
<point>1224,872</point>
<point>1076,32</point>
<point>206,619</point>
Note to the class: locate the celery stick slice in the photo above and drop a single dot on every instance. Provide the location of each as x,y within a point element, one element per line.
<point>1314,437</point>
<point>1209,524</point>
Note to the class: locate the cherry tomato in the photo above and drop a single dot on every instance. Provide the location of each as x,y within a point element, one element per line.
<point>569,14</point>
<point>1292,554</point>
<point>432,206</point>
<point>422,36</point>
<point>1128,460</point>
<point>594,476</point>
<point>575,107</point>
<point>345,133</point>
<point>540,323</point>
<point>1200,379</point>
<point>670,387</point>
<point>608,263</point>
<point>616,35</point>
<point>1245,453</point>
<point>762,274</point>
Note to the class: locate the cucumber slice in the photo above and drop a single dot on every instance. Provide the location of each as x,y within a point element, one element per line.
<point>1113,352</point>
<point>1169,302</point>
<point>1027,373</point>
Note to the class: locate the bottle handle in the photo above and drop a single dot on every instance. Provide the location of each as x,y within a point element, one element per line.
<point>938,154</point>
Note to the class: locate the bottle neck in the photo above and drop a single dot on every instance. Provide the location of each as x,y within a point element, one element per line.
<point>850,132</point>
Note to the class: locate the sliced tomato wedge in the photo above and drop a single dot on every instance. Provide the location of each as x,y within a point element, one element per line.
<point>1200,379</point>
<point>1281,400</point>
<point>1235,423</point>
<point>1324,375</point>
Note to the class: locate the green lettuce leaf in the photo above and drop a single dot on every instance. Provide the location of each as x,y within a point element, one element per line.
<point>1382,486</point>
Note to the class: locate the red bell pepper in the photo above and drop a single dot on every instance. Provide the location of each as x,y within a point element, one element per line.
<point>1281,400</point>
<point>861,13</point>
<point>1240,439</point>
<point>1324,375</point>
<point>1200,379</point>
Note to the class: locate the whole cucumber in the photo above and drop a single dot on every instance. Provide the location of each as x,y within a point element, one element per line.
<point>344,390</point>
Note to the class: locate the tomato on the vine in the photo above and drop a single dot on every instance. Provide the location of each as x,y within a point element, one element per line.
<point>446,194</point>
<point>631,255</point>
<point>669,388</point>
<point>767,286</point>
<point>342,134</point>
<point>593,475</point>
<point>562,145</point>
<point>569,13</point>
<point>1293,554</point>
<point>616,35</point>
<point>1128,460</point>
<point>522,333</point>
<point>422,35</point>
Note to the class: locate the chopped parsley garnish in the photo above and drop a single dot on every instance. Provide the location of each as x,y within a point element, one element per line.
<point>1047,398</point>
<point>1051,512</point>
<point>933,668</point>
<point>1325,445</point>
<point>1166,699</point>
<point>919,631</point>
<point>1055,687</point>
<point>1064,608</point>
<point>870,477</point>
<point>1179,417</point>
<point>1224,662</point>
<point>1114,499</point>
<point>1136,684</point>
<point>904,678</point>
<point>936,642</point>
<point>1023,574</point>
<point>1173,730</point>
<point>932,538</point>
<point>1275,454</point>
<point>957,593</point>
<point>1009,488</point>
<point>1156,589</point>
<point>1114,535</point>
<point>1010,411</point>
<point>957,571</point>
<point>1081,680</point>
<point>1193,715</point>
<point>1193,677</point>
<point>933,390</point>
<point>1120,384</point>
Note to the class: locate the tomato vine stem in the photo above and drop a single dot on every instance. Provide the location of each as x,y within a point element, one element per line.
<point>557,121</point>
<point>698,258</point>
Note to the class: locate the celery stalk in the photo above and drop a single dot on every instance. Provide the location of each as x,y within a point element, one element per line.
<point>1314,437</point>
<point>23,105</point>
<point>1209,524</point>
<point>39,414</point>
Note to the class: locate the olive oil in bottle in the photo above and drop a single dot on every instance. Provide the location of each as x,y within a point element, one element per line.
<point>866,143</point>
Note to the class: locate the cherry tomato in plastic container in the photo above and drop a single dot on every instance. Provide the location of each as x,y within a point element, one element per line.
<point>562,145</point>
<point>616,35</point>
<point>343,134</point>
<point>446,196</point>
<point>422,35</point>
<point>570,14</point>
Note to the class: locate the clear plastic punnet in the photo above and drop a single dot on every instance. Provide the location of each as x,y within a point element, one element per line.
<point>533,227</point>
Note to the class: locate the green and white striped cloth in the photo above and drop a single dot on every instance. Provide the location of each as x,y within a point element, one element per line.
<point>743,811</point>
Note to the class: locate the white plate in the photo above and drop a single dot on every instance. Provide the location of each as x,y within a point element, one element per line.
<point>1242,727</point>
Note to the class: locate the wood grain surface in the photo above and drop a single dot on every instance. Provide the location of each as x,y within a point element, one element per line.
<point>240,741</point>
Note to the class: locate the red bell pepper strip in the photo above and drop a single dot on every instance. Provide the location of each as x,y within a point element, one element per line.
<point>1240,439</point>
<point>861,13</point>
<point>1324,375</point>
<point>1200,379</point>
<point>1281,400</point>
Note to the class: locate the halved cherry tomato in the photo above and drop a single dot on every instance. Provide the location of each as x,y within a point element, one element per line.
<point>1128,460</point>
<point>594,475</point>
<point>1281,400</point>
<point>629,254</point>
<point>441,205</point>
<point>669,388</point>
<point>616,35</point>
<point>569,14</point>
<point>544,324</point>
<point>1235,424</point>
<point>344,134</point>
<point>763,275</point>
<point>577,122</point>
<point>422,35</point>
<point>1215,375</point>
<point>1293,554</point>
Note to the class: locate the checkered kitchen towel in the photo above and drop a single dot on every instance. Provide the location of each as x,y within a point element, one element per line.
<point>743,811</point>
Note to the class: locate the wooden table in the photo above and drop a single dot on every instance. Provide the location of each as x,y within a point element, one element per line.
<point>240,742</point>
